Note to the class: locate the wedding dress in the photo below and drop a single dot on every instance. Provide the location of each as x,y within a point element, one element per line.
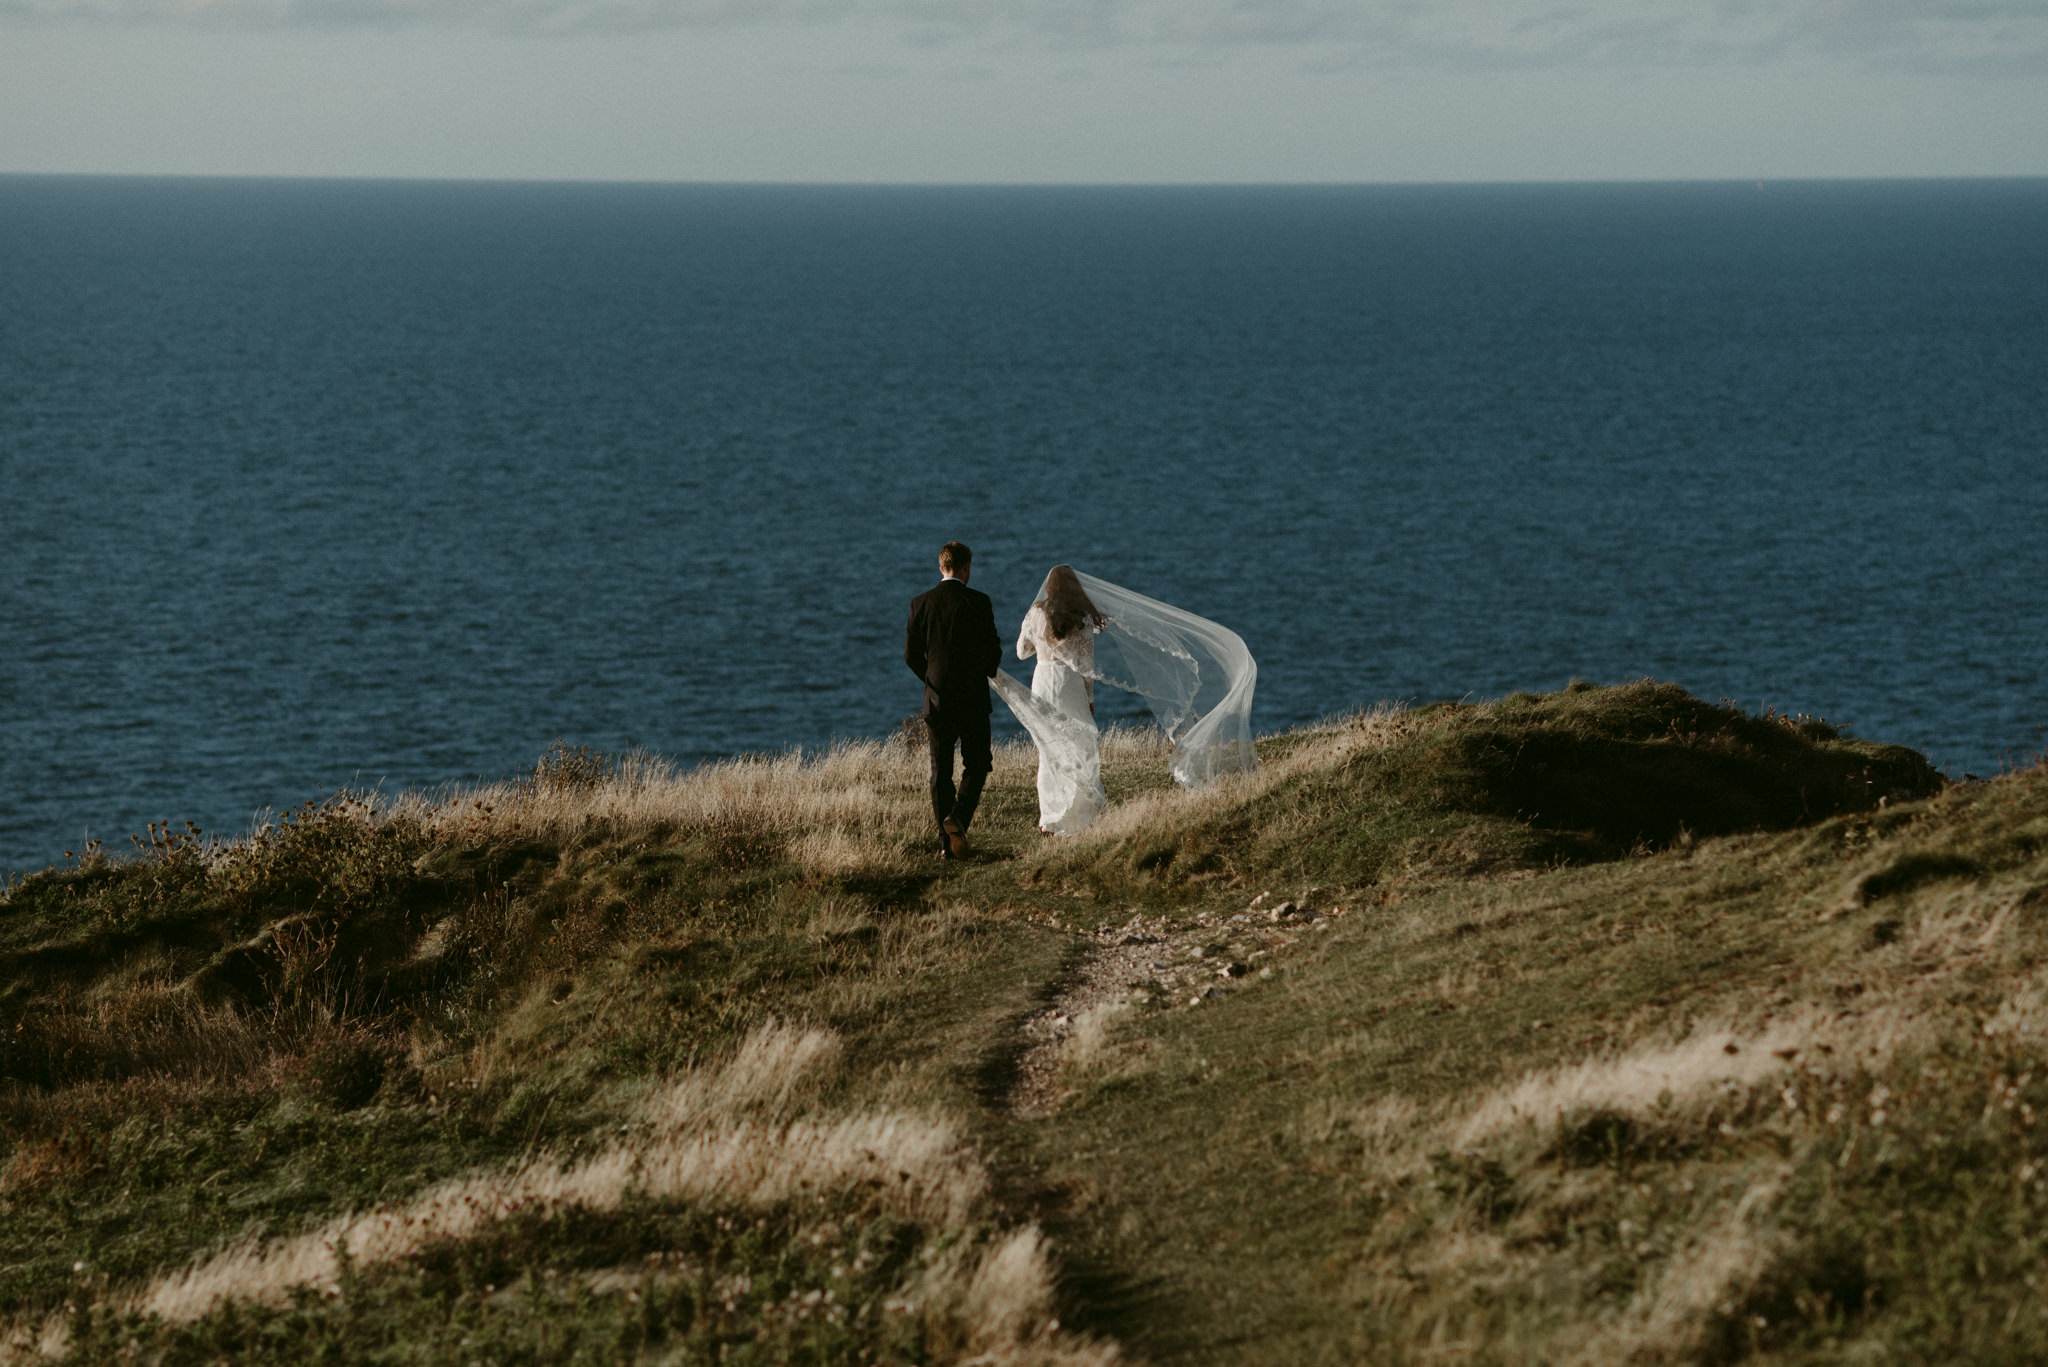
<point>1070,795</point>
<point>1196,675</point>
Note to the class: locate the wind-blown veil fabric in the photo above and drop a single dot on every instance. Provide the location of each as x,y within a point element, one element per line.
<point>1065,742</point>
<point>1196,675</point>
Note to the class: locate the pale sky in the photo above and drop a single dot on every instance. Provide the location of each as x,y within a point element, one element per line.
<point>1027,90</point>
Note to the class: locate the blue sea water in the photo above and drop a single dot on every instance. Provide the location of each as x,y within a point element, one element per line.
<point>310,484</point>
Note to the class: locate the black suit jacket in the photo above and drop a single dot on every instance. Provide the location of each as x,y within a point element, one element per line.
<point>952,645</point>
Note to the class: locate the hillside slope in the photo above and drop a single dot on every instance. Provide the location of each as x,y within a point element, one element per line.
<point>1604,1025</point>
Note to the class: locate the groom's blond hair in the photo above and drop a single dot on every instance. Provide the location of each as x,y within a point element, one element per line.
<point>954,557</point>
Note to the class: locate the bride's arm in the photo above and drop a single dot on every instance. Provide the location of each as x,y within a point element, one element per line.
<point>1027,646</point>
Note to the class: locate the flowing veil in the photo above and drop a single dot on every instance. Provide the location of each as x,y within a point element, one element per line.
<point>1196,675</point>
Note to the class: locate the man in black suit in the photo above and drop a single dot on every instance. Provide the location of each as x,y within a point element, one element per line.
<point>952,645</point>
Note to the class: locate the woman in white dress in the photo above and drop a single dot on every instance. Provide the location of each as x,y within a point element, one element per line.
<point>1196,675</point>
<point>1060,631</point>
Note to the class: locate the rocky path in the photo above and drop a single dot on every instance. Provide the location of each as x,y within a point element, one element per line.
<point>1162,962</point>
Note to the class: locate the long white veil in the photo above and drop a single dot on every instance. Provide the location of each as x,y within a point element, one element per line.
<point>1196,675</point>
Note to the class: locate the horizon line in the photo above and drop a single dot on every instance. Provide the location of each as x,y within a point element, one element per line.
<point>891,184</point>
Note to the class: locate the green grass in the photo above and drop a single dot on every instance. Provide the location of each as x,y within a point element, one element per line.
<point>1648,1031</point>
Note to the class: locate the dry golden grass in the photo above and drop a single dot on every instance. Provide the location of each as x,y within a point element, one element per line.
<point>1172,809</point>
<point>866,786</point>
<point>1646,1080</point>
<point>913,1167</point>
<point>778,1069</point>
<point>854,798</point>
<point>154,1027</point>
<point>842,852</point>
<point>860,806</point>
<point>738,1135</point>
<point>1663,1323</point>
<point>1004,1293</point>
<point>1088,1045</point>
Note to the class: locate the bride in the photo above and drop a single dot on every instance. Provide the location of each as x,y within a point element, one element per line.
<point>1195,675</point>
<point>1060,630</point>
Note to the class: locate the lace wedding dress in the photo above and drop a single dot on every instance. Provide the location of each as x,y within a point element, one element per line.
<point>1070,795</point>
<point>1196,675</point>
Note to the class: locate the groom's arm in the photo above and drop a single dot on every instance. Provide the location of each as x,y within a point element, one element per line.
<point>914,642</point>
<point>992,641</point>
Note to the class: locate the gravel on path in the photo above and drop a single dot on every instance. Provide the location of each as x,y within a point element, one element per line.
<point>1164,962</point>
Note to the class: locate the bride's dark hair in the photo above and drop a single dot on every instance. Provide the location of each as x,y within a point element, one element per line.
<point>1067,605</point>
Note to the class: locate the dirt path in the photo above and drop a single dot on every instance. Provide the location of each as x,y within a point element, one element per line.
<point>1163,962</point>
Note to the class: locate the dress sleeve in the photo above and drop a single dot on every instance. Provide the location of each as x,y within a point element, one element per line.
<point>1027,633</point>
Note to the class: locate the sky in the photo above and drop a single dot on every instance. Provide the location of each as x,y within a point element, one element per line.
<point>1087,91</point>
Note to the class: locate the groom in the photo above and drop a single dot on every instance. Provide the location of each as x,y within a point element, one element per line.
<point>952,645</point>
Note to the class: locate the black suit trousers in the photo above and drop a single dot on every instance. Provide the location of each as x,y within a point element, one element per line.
<point>971,735</point>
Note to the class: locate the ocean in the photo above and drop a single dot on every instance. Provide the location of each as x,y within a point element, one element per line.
<point>318,484</point>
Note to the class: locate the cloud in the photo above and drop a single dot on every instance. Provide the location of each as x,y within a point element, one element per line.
<point>1981,36</point>
<point>1935,33</point>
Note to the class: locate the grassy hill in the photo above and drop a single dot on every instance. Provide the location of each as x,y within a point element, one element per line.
<point>1597,1026</point>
